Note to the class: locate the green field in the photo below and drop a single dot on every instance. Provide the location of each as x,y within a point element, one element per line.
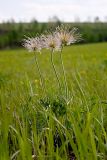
<point>47,125</point>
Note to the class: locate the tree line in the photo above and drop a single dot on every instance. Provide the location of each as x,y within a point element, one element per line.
<point>11,33</point>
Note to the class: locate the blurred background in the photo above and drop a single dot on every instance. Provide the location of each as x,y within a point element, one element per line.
<point>28,17</point>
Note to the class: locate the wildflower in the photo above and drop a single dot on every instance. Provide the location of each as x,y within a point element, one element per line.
<point>33,44</point>
<point>67,36</point>
<point>51,42</point>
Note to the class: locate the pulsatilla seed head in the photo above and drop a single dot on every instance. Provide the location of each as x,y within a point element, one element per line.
<point>62,36</point>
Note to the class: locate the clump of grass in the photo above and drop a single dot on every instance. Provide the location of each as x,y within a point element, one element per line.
<point>3,79</point>
<point>56,105</point>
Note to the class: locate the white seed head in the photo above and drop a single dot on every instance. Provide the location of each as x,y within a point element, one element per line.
<point>67,36</point>
<point>62,36</point>
<point>51,42</point>
<point>32,44</point>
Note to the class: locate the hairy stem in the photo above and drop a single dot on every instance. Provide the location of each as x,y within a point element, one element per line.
<point>40,74</point>
<point>65,80</point>
<point>56,74</point>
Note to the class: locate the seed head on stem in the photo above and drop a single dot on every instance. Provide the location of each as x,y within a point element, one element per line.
<point>32,44</point>
<point>66,36</point>
<point>51,42</point>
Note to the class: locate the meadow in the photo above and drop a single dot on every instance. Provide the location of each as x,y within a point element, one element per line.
<point>43,125</point>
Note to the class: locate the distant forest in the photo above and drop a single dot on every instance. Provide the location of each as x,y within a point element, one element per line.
<point>11,33</point>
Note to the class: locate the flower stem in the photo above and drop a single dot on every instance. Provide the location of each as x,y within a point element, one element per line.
<point>65,80</point>
<point>40,74</point>
<point>56,74</point>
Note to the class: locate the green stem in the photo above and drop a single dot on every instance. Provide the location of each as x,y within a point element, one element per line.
<point>56,74</point>
<point>40,74</point>
<point>65,80</point>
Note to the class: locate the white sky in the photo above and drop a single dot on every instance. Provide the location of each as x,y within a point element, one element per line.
<point>66,10</point>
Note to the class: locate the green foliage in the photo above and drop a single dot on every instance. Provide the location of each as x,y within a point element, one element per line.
<point>11,33</point>
<point>37,125</point>
<point>58,105</point>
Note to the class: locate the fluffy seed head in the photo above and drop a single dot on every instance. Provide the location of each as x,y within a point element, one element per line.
<point>62,36</point>
<point>32,44</point>
<point>67,36</point>
<point>51,42</point>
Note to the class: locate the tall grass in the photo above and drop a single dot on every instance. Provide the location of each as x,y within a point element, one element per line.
<point>33,126</point>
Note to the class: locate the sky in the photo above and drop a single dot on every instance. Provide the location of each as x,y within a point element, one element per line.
<point>42,10</point>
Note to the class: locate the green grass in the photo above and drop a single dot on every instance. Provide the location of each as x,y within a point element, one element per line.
<point>43,126</point>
